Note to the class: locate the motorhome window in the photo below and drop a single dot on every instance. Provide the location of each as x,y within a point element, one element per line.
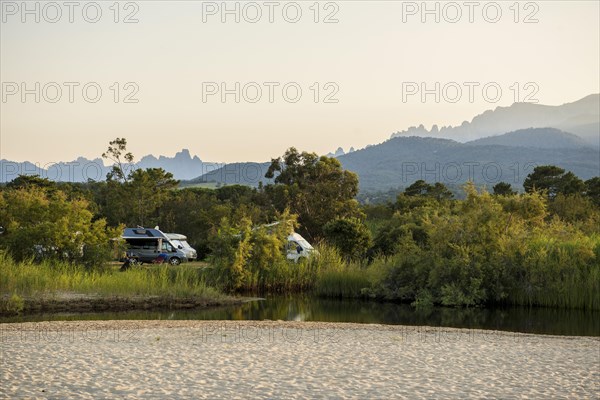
<point>167,246</point>
<point>141,244</point>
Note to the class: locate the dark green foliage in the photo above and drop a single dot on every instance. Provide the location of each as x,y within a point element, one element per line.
<point>421,188</point>
<point>553,180</point>
<point>28,181</point>
<point>317,189</point>
<point>350,236</point>
<point>592,190</point>
<point>503,189</point>
<point>387,239</point>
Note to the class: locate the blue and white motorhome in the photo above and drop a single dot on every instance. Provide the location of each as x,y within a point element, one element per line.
<point>146,245</point>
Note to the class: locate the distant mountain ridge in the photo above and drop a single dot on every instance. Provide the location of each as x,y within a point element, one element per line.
<point>400,161</point>
<point>581,118</point>
<point>340,152</point>
<point>541,138</point>
<point>182,166</point>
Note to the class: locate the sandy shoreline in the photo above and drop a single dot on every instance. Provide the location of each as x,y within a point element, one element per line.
<point>275,359</point>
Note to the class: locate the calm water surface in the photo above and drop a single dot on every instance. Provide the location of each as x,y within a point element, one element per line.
<point>307,308</point>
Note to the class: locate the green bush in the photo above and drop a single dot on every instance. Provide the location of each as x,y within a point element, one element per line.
<point>490,250</point>
<point>350,236</point>
<point>45,224</point>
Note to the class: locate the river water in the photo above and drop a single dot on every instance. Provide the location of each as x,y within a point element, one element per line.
<point>308,308</point>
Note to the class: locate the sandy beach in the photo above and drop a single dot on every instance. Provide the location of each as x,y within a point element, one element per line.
<point>275,359</point>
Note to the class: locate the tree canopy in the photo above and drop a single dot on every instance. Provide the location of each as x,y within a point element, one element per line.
<point>553,180</point>
<point>317,189</point>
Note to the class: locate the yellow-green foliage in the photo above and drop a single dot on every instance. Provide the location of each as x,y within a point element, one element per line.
<point>46,224</point>
<point>254,259</point>
<point>492,249</point>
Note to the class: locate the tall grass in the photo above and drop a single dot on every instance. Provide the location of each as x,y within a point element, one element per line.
<point>46,279</point>
<point>324,272</point>
<point>350,282</point>
<point>547,271</point>
<point>563,274</point>
<point>333,277</point>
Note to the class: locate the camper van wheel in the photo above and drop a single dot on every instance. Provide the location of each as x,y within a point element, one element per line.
<point>174,261</point>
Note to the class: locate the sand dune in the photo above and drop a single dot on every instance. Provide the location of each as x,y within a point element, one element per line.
<point>250,359</point>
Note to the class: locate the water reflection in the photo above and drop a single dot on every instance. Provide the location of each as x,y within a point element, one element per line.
<point>307,308</point>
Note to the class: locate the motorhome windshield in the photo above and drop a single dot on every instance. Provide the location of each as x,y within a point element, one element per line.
<point>184,244</point>
<point>166,246</point>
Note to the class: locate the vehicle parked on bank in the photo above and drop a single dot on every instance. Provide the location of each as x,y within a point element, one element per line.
<point>180,241</point>
<point>147,245</point>
<point>297,247</point>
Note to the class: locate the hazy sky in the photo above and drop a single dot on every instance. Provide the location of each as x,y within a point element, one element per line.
<point>369,57</point>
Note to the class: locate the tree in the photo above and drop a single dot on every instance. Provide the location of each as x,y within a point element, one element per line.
<point>418,188</point>
<point>134,197</point>
<point>27,181</point>
<point>438,191</point>
<point>503,189</point>
<point>572,208</point>
<point>317,189</point>
<point>592,190</point>
<point>553,180</point>
<point>46,224</point>
<point>350,236</point>
<point>146,191</point>
<point>251,259</point>
<point>194,212</point>
<point>117,149</point>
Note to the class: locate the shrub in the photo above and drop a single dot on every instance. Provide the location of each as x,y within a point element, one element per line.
<point>350,236</point>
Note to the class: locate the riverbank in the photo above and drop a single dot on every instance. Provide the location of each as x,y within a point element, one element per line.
<point>275,359</point>
<point>27,288</point>
<point>85,303</point>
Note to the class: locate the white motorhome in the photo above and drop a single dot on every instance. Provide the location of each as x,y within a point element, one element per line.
<point>181,242</point>
<point>297,247</point>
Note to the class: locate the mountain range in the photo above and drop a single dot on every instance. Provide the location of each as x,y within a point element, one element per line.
<point>503,144</point>
<point>581,118</point>
<point>400,161</point>
<point>182,166</point>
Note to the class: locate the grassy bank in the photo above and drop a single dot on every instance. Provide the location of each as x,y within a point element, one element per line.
<point>25,286</point>
<point>561,274</point>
